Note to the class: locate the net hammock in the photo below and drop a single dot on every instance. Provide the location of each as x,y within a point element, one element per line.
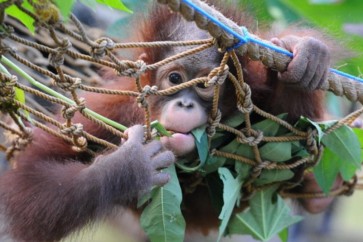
<point>67,43</point>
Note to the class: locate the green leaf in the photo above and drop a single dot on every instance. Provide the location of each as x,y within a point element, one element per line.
<point>65,7</point>
<point>235,147</point>
<point>301,153</point>
<point>269,176</point>
<point>344,143</point>
<point>232,147</point>
<point>162,219</point>
<point>242,169</point>
<point>327,124</point>
<point>213,163</point>
<point>235,120</point>
<point>280,151</point>
<point>19,95</point>
<point>117,4</point>
<point>198,133</point>
<point>15,12</point>
<point>305,123</point>
<point>327,174</point>
<point>201,141</point>
<point>298,149</point>
<point>231,194</point>
<point>264,219</point>
<point>359,133</point>
<point>326,170</point>
<point>245,151</point>
<point>268,127</point>
<point>284,235</point>
<point>347,170</point>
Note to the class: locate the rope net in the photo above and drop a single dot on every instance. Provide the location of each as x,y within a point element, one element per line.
<point>71,44</point>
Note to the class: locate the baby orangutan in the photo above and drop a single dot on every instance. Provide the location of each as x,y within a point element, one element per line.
<point>54,190</point>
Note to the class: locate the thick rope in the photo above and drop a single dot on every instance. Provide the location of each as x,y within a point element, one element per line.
<point>228,34</point>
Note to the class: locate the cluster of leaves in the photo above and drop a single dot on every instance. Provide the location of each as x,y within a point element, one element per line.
<point>268,215</point>
<point>342,153</point>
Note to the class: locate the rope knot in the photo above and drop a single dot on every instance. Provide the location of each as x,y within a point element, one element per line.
<point>28,132</point>
<point>21,142</point>
<point>80,144</point>
<point>218,76</point>
<point>70,84</point>
<point>7,29</point>
<point>7,91</point>
<point>57,59</point>
<point>133,69</point>
<point>69,111</point>
<point>256,171</point>
<point>74,129</point>
<point>146,91</point>
<point>251,140</point>
<point>245,104</point>
<point>18,141</point>
<point>5,49</point>
<point>211,130</point>
<point>149,90</point>
<point>103,45</point>
<point>7,82</point>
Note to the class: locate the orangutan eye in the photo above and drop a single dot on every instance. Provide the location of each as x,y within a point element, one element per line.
<point>175,78</point>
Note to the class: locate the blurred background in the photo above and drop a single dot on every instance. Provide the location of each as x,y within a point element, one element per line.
<point>343,21</point>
